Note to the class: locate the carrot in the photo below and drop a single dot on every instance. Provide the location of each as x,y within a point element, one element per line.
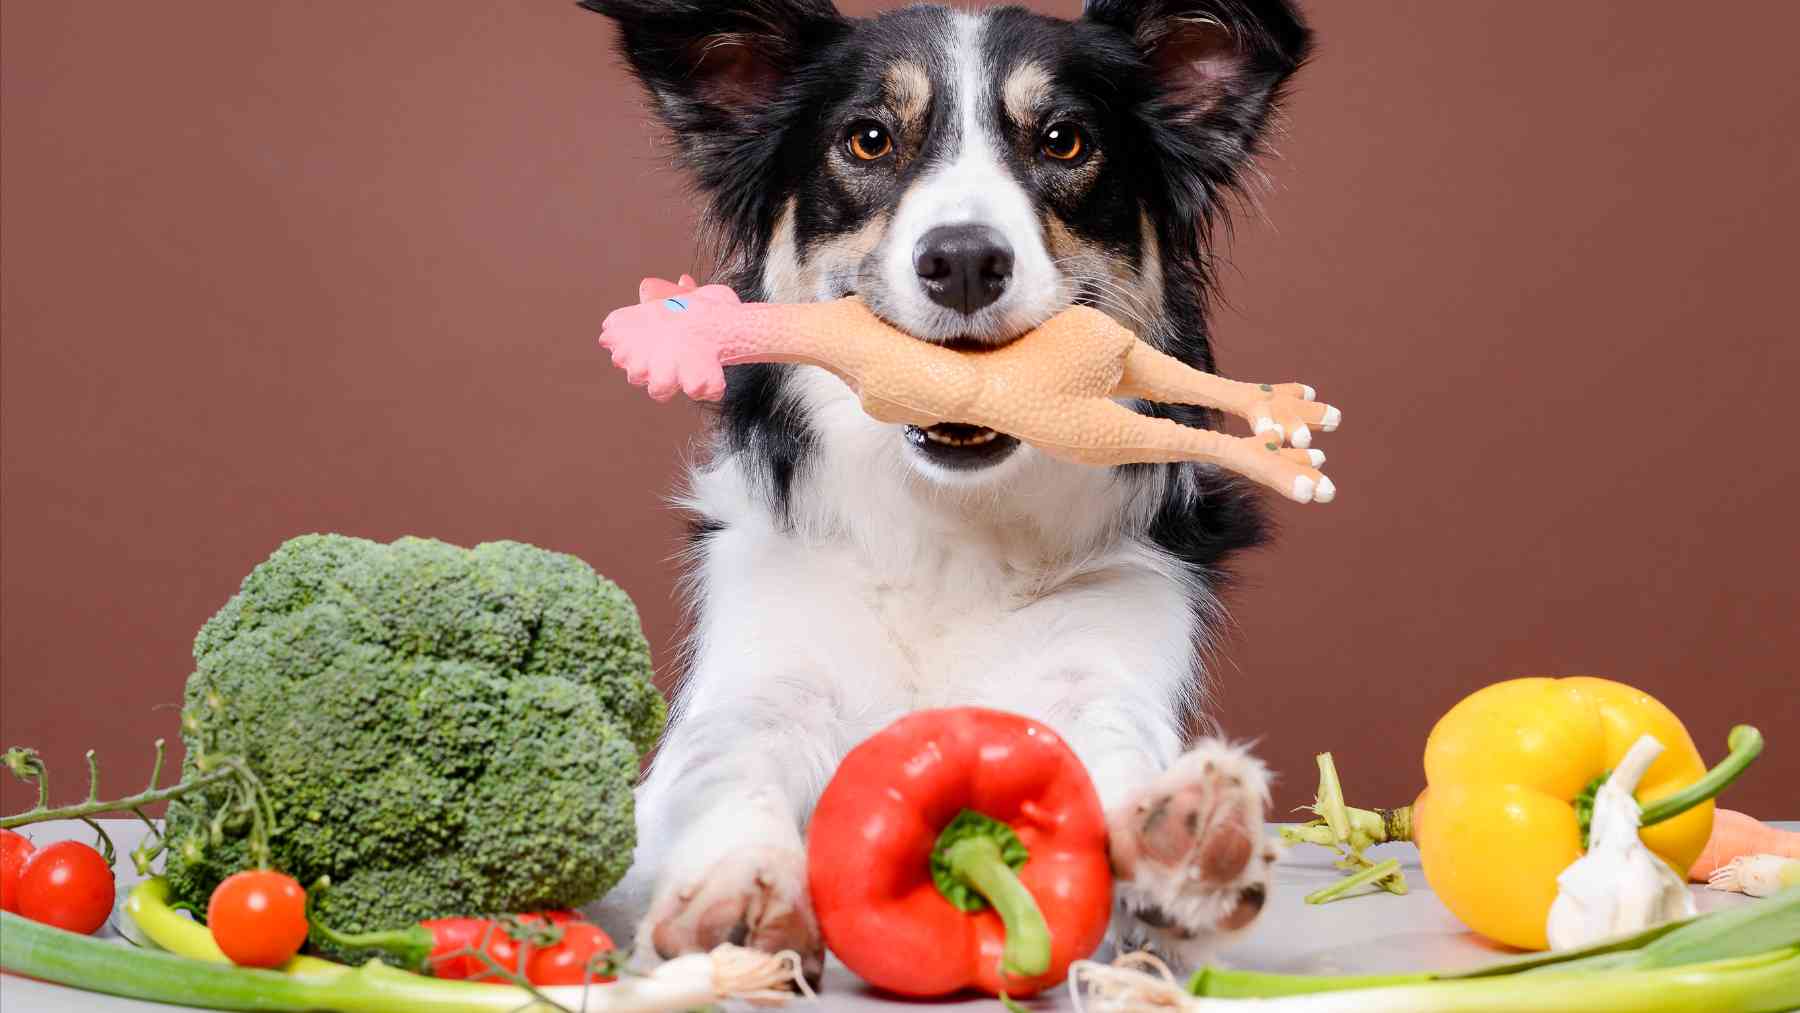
<point>1735,834</point>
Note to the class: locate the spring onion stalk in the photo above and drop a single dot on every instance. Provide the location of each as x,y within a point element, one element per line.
<point>1756,875</point>
<point>699,979</point>
<point>1737,932</point>
<point>1229,983</point>
<point>1763,983</point>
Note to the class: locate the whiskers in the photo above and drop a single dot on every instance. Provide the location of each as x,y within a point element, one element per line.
<point>1092,282</point>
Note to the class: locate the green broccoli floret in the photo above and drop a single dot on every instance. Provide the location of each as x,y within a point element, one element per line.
<point>442,731</point>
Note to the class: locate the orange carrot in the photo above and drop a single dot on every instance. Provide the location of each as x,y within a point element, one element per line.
<point>1735,834</point>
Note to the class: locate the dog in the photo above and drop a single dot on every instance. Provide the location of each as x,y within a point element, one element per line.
<point>969,175</point>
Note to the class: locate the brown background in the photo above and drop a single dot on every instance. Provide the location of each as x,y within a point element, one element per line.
<point>275,268</point>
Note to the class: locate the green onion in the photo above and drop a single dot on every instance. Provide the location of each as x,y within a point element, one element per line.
<point>30,948</point>
<point>1762,983</point>
<point>695,980</point>
<point>1749,954</point>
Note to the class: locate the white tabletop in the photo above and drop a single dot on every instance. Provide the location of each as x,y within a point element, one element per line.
<point>1378,932</point>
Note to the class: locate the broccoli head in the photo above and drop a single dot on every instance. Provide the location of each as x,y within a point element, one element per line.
<point>442,731</point>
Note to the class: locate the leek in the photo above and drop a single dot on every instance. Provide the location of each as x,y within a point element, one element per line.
<point>1763,983</point>
<point>1743,958</point>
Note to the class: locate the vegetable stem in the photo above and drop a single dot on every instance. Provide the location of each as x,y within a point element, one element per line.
<point>412,945</point>
<point>27,765</point>
<point>1378,871</point>
<point>977,861</point>
<point>41,813</point>
<point>93,763</point>
<point>1744,743</point>
<point>1328,801</point>
<point>252,801</point>
<point>1350,831</point>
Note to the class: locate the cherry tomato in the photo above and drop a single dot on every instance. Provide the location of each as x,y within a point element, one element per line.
<point>567,962</point>
<point>14,850</point>
<point>258,917</point>
<point>68,885</point>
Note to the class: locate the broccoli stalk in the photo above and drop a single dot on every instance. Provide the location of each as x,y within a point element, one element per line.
<point>440,731</point>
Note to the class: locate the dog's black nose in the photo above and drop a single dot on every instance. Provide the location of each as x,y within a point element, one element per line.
<point>963,267</point>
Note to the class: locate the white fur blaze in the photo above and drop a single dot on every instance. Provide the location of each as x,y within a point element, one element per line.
<point>974,186</point>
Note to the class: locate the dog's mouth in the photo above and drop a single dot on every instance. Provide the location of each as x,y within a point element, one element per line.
<point>961,447</point>
<point>957,446</point>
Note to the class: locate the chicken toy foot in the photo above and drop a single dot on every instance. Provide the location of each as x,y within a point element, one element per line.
<point>1054,388</point>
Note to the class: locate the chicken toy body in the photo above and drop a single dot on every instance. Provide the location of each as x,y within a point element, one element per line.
<point>1054,387</point>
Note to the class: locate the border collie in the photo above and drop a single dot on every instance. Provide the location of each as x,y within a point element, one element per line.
<point>969,175</point>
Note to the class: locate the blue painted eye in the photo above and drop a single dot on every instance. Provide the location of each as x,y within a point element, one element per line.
<point>676,303</point>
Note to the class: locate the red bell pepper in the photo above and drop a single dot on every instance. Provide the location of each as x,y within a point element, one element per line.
<point>960,848</point>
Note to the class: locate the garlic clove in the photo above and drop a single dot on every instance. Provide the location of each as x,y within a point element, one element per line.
<point>1619,886</point>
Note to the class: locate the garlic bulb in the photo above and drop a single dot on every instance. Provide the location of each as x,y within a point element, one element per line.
<point>1620,886</point>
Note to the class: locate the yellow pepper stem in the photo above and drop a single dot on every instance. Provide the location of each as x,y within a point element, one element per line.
<point>1744,743</point>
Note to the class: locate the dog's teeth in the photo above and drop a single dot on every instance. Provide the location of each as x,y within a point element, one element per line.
<point>948,440</point>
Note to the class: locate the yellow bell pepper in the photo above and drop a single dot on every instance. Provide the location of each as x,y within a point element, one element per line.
<point>1508,771</point>
<point>1497,820</point>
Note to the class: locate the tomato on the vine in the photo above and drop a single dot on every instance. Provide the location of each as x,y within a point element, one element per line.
<point>14,850</point>
<point>68,885</point>
<point>567,962</point>
<point>258,917</point>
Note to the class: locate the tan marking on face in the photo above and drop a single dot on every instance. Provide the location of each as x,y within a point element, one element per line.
<point>1027,90</point>
<point>824,271</point>
<point>1149,273</point>
<point>837,262</point>
<point>1062,243</point>
<point>1131,295</point>
<point>785,279</point>
<point>907,89</point>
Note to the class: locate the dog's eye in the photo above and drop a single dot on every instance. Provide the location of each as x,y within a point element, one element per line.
<point>1063,141</point>
<point>868,140</point>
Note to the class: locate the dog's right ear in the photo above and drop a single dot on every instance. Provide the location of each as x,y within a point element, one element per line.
<point>715,65</point>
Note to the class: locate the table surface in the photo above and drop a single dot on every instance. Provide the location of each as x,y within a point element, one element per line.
<point>1376,932</point>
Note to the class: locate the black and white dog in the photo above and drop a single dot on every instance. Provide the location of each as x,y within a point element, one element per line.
<point>969,175</point>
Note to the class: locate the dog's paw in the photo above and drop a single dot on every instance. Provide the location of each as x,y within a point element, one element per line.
<point>755,898</point>
<point>1189,855</point>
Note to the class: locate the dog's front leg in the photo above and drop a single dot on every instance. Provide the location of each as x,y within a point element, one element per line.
<point>1185,828</point>
<point>720,857</point>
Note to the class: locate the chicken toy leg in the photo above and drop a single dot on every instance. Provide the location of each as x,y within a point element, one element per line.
<point>1053,387</point>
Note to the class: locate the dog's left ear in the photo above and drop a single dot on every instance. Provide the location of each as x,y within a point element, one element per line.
<point>1218,63</point>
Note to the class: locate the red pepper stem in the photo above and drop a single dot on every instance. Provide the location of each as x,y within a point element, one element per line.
<point>413,944</point>
<point>1745,742</point>
<point>977,861</point>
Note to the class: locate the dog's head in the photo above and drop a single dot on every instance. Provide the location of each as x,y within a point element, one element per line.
<point>968,174</point>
